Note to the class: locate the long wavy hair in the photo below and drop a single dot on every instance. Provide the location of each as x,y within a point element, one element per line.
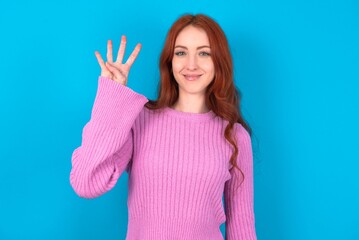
<point>222,97</point>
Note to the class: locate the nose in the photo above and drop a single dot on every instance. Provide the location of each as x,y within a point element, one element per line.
<point>191,62</point>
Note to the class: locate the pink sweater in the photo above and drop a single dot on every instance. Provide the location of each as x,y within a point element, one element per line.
<point>177,165</point>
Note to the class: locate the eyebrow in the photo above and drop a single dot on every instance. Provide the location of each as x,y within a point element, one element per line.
<point>180,46</point>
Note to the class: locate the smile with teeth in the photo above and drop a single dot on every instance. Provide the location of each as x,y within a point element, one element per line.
<point>192,77</point>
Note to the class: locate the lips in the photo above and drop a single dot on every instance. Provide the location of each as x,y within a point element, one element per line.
<point>192,77</point>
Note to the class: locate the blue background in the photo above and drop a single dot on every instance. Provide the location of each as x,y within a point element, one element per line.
<point>296,64</point>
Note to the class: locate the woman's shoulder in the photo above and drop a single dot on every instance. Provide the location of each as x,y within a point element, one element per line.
<point>238,128</point>
<point>146,116</point>
<point>241,133</point>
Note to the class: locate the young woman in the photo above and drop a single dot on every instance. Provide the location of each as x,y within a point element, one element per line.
<point>182,152</point>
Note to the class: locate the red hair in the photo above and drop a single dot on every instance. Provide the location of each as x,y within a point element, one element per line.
<point>222,97</point>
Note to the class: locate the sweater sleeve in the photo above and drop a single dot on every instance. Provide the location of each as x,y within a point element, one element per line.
<point>107,139</point>
<point>239,200</point>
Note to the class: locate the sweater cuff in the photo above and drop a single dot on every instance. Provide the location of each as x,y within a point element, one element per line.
<point>116,104</point>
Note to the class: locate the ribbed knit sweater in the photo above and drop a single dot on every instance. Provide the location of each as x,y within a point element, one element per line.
<point>177,164</point>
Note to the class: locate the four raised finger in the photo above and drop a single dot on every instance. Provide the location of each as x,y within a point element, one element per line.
<point>125,67</point>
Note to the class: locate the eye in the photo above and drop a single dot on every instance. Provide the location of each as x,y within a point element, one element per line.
<point>204,54</point>
<point>179,53</point>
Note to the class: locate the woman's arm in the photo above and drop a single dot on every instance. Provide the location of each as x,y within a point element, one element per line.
<point>107,143</point>
<point>239,201</point>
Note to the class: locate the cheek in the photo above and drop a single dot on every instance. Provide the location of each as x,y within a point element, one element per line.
<point>209,67</point>
<point>211,72</point>
<point>176,66</point>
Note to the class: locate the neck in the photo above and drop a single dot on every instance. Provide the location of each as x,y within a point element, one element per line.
<point>191,104</point>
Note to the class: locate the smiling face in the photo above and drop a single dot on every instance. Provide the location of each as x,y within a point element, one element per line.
<point>192,64</point>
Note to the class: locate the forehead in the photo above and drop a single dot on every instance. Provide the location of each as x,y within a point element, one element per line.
<point>192,36</point>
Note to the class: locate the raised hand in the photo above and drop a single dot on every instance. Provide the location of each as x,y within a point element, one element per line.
<point>117,71</point>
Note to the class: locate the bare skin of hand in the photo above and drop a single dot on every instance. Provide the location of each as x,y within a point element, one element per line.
<point>117,71</point>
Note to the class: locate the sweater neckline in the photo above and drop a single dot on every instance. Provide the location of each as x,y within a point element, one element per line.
<point>195,117</point>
